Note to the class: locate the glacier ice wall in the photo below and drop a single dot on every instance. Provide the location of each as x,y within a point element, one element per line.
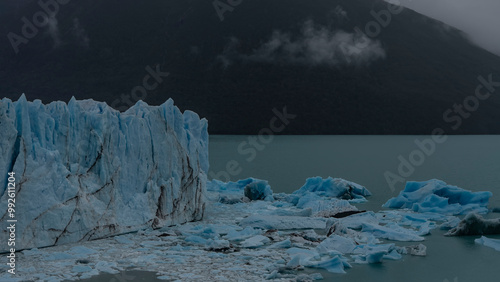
<point>86,171</point>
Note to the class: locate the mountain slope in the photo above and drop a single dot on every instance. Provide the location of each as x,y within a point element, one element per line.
<point>220,69</point>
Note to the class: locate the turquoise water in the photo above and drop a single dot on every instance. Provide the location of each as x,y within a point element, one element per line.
<point>470,162</point>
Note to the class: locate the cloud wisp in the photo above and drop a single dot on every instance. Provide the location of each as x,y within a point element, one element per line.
<point>314,46</point>
<point>80,34</point>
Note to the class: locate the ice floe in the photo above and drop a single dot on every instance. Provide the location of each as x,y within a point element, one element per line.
<point>492,243</point>
<point>249,237</point>
<point>438,197</point>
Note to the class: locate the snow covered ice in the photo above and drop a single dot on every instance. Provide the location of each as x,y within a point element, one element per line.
<point>85,171</point>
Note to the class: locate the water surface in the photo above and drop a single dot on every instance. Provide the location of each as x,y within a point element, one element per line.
<point>470,162</point>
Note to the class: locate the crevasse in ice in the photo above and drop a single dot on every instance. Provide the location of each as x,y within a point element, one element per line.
<point>84,170</point>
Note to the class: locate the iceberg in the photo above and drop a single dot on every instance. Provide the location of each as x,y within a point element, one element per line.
<point>492,243</point>
<point>86,171</point>
<point>415,250</point>
<point>333,187</point>
<point>337,243</point>
<point>251,188</point>
<point>474,224</point>
<point>255,241</point>
<point>391,231</point>
<point>438,197</point>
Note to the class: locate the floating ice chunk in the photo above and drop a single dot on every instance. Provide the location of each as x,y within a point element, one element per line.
<point>452,222</point>
<point>152,243</point>
<point>334,265</point>
<point>391,231</point>
<point>370,257</point>
<point>372,253</point>
<point>108,267</point>
<point>252,188</point>
<point>259,190</point>
<point>337,243</point>
<point>196,240</point>
<point>335,226</point>
<point>217,244</point>
<point>437,196</point>
<point>81,268</point>
<point>248,232</point>
<point>367,248</point>
<point>355,221</point>
<point>292,212</point>
<point>273,275</point>
<point>492,243</point>
<point>285,244</point>
<point>294,251</point>
<point>474,224</point>
<point>393,255</point>
<point>425,228</point>
<point>333,187</point>
<point>255,242</point>
<point>324,207</point>
<point>416,250</point>
<point>298,260</point>
<point>310,277</point>
<point>283,222</point>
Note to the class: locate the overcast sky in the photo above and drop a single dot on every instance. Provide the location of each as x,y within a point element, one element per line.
<point>479,18</point>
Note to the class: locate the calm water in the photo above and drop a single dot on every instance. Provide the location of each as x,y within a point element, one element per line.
<point>470,162</point>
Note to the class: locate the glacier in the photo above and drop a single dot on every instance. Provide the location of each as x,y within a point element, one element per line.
<point>438,197</point>
<point>86,171</point>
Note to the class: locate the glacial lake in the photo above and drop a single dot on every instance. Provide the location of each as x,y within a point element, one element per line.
<point>470,162</point>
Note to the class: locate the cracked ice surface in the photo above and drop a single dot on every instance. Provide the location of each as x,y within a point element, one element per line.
<point>222,247</point>
<point>85,171</point>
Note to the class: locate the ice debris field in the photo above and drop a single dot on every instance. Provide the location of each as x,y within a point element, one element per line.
<point>249,233</point>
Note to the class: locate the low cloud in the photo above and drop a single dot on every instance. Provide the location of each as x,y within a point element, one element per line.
<point>53,31</point>
<point>314,46</point>
<point>479,18</point>
<point>80,34</point>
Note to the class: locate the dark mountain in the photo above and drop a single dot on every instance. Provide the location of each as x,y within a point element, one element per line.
<point>229,71</point>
